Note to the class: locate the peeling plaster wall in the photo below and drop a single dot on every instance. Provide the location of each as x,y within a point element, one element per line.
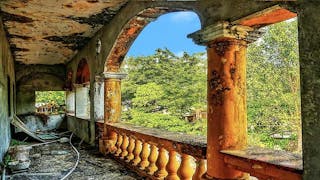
<point>52,32</point>
<point>82,102</point>
<point>6,70</point>
<point>70,102</point>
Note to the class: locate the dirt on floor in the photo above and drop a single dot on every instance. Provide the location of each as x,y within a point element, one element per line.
<point>54,161</point>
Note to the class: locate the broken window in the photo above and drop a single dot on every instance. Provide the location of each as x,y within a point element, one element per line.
<point>50,102</point>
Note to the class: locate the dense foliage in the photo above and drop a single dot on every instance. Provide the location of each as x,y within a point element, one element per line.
<point>163,87</point>
<point>273,87</point>
<point>54,97</point>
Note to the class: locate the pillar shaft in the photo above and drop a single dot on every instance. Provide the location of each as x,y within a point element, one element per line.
<point>112,100</point>
<point>227,116</point>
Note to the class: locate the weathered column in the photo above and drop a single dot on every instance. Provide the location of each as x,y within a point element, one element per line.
<point>112,96</point>
<point>227,112</point>
<point>112,107</point>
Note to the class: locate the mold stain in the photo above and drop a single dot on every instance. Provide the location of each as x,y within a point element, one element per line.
<point>17,18</point>
<point>74,41</point>
<point>216,84</point>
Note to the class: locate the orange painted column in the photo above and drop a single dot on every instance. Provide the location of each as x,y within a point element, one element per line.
<point>227,115</point>
<point>112,105</point>
<point>226,96</point>
<point>112,96</point>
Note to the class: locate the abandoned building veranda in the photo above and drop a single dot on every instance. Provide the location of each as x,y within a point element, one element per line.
<point>79,45</point>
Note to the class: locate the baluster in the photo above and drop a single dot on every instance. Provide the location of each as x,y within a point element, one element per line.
<point>111,142</point>
<point>124,146</point>
<point>187,168</point>
<point>161,163</point>
<point>144,156</point>
<point>136,152</point>
<point>130,149</point>
<point>200,170</point>
<point>173,166</point>
<point>152,160</point>
<point>118,145</point>
<point>102,148</point>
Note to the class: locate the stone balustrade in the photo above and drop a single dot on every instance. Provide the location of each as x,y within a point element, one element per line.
<point>159,154</point>
<point>154,153</point>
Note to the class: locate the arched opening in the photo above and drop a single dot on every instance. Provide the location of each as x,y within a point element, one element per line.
<point>130,32</point>
<point>83,72</point>
<point>166,83</point>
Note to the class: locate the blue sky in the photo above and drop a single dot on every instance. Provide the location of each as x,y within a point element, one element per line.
<point>168,31</point>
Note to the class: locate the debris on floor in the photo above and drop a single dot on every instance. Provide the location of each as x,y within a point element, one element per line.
<point>53,161</point>
<point>19,158</point>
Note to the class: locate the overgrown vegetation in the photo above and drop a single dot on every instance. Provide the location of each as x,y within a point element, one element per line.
<point>50,102</point>
<point>54,97</point>
<point>274,88</point>
<point>162,88</point>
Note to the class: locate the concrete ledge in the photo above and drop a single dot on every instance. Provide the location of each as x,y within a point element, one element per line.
<point>265,163</point>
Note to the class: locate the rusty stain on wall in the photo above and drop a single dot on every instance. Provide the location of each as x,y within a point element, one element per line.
<point>83,72</point>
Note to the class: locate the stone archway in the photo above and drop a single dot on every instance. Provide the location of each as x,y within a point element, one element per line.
<point>130,32</point>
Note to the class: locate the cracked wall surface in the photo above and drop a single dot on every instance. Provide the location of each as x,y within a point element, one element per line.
<point>6,72</point>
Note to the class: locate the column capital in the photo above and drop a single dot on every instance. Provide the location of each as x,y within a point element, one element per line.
<point>114,75</point>
<point>223,30</point>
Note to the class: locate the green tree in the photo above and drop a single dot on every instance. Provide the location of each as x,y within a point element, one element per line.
<point>163,87</point>
<point>182,80</point>
<point>273,83</point>
<point>56,97</point>
<point>148,97</point>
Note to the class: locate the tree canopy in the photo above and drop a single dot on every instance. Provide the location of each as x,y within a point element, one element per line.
<point>162,88</point>
<point>273,84</point>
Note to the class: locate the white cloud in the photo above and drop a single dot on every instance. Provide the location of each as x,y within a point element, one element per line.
<point>183,16</point>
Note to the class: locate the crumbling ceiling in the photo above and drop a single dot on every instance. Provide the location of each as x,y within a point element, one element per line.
<point>52,31</point>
